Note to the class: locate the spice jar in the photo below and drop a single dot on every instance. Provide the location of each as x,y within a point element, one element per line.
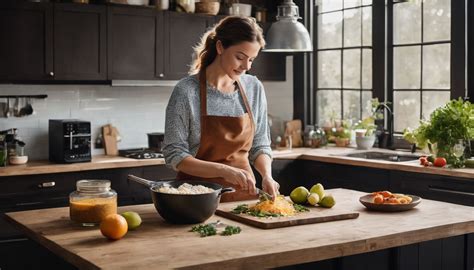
<point>92,201</point>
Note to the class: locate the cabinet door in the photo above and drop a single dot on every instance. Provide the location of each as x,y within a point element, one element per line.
<point>79,42</point>
<point>132,35</point>
<point>26,50</point>
<point>183,33</point>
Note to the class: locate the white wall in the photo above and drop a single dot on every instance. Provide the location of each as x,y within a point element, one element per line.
<point>135,111</point>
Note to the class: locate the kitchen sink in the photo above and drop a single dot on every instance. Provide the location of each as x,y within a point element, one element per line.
<point>395,157</point>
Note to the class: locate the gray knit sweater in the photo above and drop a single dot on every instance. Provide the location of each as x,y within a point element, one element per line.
<point>183,127</point>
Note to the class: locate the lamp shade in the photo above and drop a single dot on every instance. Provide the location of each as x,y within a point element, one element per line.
<point>287,34</point>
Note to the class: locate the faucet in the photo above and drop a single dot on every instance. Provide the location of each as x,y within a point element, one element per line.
<point>383,140</point>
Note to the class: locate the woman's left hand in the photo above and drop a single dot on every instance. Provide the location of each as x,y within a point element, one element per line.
<point>270,186</point>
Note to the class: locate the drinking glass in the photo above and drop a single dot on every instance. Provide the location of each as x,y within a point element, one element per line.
<point>458,149</point>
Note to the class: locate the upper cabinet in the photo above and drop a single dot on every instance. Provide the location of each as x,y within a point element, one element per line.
<point>135,38</point>
<point>75,42</point>
<point>183,33</point>
<point>79,43</point>
<point>26,35</point>
<point>46,42</point>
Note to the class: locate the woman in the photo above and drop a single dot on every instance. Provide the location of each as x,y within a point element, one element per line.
<point>216,118</point>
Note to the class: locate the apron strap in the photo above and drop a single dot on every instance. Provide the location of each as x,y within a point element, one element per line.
<point>203,95</point>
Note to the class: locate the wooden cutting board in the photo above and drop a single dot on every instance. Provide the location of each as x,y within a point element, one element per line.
<point>315,215</point>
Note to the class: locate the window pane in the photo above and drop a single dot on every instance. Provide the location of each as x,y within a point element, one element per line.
<point>329,69</point>
<point>407,22</point>
<point>329,5</point>
<point>329,105</point>
<point>433,100</point>
<point>366,103</point>
<point>351,3</point>
<point>351,67</point>
<point>366,2</point>
<point>351,105</point>
<point>352,27</point>
<point>366,69</point>
<point>436,66</point>
<point>406,109</point>
<point>437,20</point>
<point>367,26</point>
<point>406,67</point>
<point>330,30</point>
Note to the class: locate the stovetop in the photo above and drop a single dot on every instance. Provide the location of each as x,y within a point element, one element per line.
<point>140,153</point>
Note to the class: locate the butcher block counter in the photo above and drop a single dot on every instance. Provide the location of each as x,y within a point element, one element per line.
<point>328,154</point>
<point>157,244</point>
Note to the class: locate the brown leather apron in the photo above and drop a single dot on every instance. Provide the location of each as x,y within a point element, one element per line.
<point>225,139</point>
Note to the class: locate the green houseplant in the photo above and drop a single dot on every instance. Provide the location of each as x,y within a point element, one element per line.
<point>447,125</point>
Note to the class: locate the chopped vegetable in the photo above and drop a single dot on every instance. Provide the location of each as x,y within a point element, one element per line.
<point>204,230</point>
<point>230,230</point>
<point>300,208</point>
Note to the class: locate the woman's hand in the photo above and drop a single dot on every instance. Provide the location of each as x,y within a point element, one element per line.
<point>270,186</point>
<point>242,178</point>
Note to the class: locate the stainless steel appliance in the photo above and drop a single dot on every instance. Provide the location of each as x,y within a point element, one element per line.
<point>69,141</point>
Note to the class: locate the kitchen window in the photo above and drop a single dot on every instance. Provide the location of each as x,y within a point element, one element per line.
<point>344,59</point>
<point>410,53</point>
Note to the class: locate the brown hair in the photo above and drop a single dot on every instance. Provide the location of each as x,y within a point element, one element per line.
<point>230,31</point>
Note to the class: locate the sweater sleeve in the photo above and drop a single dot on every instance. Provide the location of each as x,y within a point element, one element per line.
<point>261,140</point>
<point>177,124</point>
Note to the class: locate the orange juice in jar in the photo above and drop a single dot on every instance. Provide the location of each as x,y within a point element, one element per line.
<point>92,201</point>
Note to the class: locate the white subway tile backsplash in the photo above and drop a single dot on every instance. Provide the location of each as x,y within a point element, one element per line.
<point>135,111</point>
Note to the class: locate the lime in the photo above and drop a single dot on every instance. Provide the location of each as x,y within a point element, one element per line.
<point>299,195</point>
<point>328,201</point>
<point>313,198</point>
<point>133,219</point>
<point>318,189</point>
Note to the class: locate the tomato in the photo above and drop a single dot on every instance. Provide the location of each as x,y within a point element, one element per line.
<point>439,162</point>
<point>423,160</point>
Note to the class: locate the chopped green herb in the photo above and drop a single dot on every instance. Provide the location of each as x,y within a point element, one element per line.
<point>241,208</point>
<point>230,230</point>
<point>244,209</point>
<point>204,230</point>
<point>300,208</point>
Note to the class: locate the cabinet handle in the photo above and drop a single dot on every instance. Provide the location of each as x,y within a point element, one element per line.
<point>456,192</point>
<point>28,203</point>
<point>51,74</point>
<point>47,184</point>
<point>161,75</point>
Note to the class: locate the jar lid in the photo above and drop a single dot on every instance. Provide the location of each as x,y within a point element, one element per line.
<point>93,185</point>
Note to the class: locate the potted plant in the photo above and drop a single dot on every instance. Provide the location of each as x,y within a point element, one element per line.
<point>342,137</point>
<point>447,126</point>
<point>365,133</point>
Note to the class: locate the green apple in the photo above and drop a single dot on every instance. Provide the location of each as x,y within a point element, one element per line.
<point>318,189</point>
<point>133,219</point>
<point>328,201</point>
<point>299,195</point>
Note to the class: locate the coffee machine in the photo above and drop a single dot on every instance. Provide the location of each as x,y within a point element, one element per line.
<point>69,140</point>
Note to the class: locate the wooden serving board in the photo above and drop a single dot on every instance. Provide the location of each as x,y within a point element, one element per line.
<point>315,215</point>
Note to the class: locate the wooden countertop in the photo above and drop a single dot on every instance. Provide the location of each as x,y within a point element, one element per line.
<point>336,155</point>
<point>97,163</point>
<point>327,154</point>
<point>163,245</point>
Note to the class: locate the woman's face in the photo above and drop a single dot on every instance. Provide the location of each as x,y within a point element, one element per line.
<point>237,59</point>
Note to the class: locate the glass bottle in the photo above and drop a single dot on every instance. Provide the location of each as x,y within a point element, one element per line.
<point>92,201</point>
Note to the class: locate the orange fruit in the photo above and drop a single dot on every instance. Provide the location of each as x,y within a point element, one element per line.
<point>114,226</point>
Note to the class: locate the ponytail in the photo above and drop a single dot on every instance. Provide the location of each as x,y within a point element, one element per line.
<point>229,31</point>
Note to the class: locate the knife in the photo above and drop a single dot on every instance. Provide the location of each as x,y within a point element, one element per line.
<point>264,196</point>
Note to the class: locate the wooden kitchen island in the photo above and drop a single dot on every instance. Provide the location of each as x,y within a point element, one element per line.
<point>157,244</point>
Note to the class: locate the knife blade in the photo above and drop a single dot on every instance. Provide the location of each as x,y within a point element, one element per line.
<point>264,195</point>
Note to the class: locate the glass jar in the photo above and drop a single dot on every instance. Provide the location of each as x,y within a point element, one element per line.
<point>319,137</point>
<point>308,136</point>
<point>91,202</point>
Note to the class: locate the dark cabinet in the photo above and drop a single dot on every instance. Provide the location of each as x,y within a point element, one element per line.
<point>42,41</point>
<point>435,187</point>
<point>134,38</point>
<point>26,34</point>
<point>183,32</point>
<point>79,42</point>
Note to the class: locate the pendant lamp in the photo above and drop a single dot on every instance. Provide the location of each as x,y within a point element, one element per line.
<point>287,34</point>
